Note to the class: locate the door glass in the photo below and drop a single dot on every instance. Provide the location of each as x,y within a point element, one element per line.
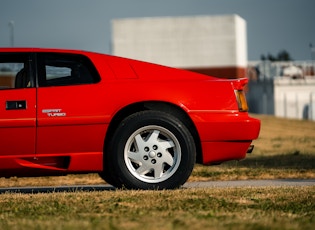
<point>14,71</point>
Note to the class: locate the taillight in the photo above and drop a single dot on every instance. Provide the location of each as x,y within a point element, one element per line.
<point>241,100</point>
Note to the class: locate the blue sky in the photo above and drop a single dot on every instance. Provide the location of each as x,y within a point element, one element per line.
<point>272,25</point>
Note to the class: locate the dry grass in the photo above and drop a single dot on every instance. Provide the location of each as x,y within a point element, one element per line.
<point>280,136</point>
<point>237,208</point>
<point>52,181</point>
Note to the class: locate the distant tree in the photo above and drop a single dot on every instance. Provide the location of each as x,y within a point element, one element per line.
<point>282,55</point>
<point>271,57</point>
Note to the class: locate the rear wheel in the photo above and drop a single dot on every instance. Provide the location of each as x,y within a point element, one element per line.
<point>151,150</point>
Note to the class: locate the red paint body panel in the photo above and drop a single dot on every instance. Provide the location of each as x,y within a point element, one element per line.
<point>220,151</point>
<point>64,128</point>
<point>17,127</point>
<point>225,127</point>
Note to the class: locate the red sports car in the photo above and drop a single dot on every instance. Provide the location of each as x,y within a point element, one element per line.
<point>139,125</point>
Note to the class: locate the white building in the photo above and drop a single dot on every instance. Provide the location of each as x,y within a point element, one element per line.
<point>283,89</point>
<point>214,45</point>
<point>295,98</point>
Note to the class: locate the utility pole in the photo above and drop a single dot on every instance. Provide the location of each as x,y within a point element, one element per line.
<point>11,25</point>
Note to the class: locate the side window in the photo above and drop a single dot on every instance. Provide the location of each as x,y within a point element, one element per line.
<point>14,71</point>
<point>65,69</point>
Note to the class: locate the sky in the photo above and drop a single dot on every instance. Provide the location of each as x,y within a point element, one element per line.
<point>272,25</point>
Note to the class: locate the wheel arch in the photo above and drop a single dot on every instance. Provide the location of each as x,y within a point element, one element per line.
<point>159,106</point>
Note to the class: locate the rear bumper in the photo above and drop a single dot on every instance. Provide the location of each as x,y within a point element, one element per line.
<point>218,152</point>
<point>226,126</point>
<point>225,136</point>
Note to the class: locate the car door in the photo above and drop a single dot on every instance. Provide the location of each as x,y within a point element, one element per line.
<point>69,120</point>
<point>17,106</point>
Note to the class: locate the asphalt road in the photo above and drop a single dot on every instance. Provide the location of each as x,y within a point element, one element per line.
<point>208,184</point>
<point>251,183</point>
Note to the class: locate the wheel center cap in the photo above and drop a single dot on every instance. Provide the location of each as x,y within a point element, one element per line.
<point>152,154</point>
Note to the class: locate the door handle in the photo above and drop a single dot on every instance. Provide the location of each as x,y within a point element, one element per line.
<point>15,105</point>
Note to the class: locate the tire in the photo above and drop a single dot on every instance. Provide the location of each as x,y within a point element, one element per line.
<point>151,150</point>
<point>108,174</point>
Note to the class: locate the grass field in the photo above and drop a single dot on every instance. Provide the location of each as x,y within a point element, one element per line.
<point>285,149</point>
<point>231,208</point>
